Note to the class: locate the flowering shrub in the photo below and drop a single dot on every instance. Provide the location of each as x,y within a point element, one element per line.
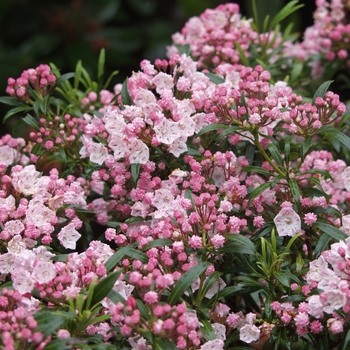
<point>202,204</point>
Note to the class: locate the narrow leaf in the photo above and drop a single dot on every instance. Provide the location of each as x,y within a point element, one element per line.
<point>320,92</point>
<point>285,12</point>
<point>185,281</point>
<point>244,244</point>
<point>126,99</point>
<point>331,231</point>
<point>212,127</point>
<point>275,154</point>
<point>161,242</point>
<point>322,244</point>
<point>101,67</point>
<point>341,137</point>
<point>31,121</point>
<point>215,78</point>
<point>135,172</point>
<point>64,78</point>
<point>14,111</point>
<point>11,101</point>
<point>258,191</point>
<point>256,169</point>
<point>208,330</point>
<point>49,322</point>
<point>102,288</point>
<point>294,189</point>
<point>77,76</point>
<point>241,54</point>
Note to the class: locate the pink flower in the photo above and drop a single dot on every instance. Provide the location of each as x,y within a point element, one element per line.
<point>68,236</point>
<point>249,333</point>
<point>216,344</point>
<point>151,297</point>
<point>287,222</point>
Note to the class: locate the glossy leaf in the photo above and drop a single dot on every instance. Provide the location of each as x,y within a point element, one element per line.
<point>294,189</point>
<point>259,190</point>
<point>50,321</point>
<point>244,244</point>
<point>320,92</point>
<point>212,127</point>
<point>126,99</point>
<point>104,286</point>
<point>331,231</point>
<point>215,78</point>
<point>186,280</point>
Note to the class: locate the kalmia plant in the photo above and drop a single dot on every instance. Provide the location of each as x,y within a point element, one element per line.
<point>202,204</point>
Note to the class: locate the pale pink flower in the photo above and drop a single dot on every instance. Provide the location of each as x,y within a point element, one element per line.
<point>68,236</point>
<point>220,331</point>
<point>249,333</point>
<point>22,281</point>
<point>216,344</point>
<point>97,152</point>
<point>44,272</point>
<point>137,151</point>
<point>288,222</point>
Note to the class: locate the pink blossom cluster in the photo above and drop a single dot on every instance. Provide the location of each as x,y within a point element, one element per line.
<point>17,324</point>
<point>40,80</point>
<point>329,36</point>
<point>213,37</point>
<point>32,208</point>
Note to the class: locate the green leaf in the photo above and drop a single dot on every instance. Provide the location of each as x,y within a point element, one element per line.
<point>161,242</point>
<point>294,189</point>
<point>125,251</point>
<point>162,344</point>
<point>11,101</point>
<point>210,280</point>
<point>50,321</point>
<point>320,92</point>
<point>14,111</point>
<point>256,169</point>
<point>275,154</point>
<point>341,137</point>
<point>229,131</point>
<point>60,344</point>
<point>215,78</point>
<point>230,290</point>
<point>135,172</point>
<point>185,281</point>
<point>208,330</point>
<point>212,127</point>
<point>126,99</point>
<point>115,296</point>
<point>144,310</point>
<point>64,78</point>
<point>241,54</point>
<point>244,244</point>
<point>77,76</point>
<point>285,12</point>
<point>322,244</point>
<point>108,81</point>
<point>101,68</point>
<point>331,231</point>
<point>346,344</point>
<point>31,121</point>
<point>258,191</point>
<point>62,154</point>
<point>103,287</point>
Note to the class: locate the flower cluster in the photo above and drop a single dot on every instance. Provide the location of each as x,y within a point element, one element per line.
<point>203,204</point>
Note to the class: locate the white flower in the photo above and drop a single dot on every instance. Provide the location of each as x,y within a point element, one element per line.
<point>44,272</point>
<point>216,344</point>
<point>68,236</point>
<point>249,333</point>
<point>288,222</point>
<point>23,282</point>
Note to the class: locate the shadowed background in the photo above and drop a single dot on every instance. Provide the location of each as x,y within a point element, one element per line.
<point>64,31</point>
